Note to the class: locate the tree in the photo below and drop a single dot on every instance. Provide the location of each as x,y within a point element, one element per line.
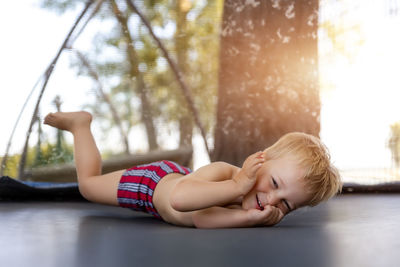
<point>137,80</point>
<point>394,143</point>
<point>268,83</point>
<point>182,46</point>
<point>135,73</point>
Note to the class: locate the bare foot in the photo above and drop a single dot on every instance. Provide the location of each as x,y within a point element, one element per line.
<point>68,121</point>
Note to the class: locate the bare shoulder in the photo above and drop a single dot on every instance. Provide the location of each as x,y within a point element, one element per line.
<point>220,165</point>
<point>215,171</point>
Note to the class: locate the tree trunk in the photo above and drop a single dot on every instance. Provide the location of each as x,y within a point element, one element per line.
<point>182,84</point>
<point>268,83</point>
<point>181,48</point>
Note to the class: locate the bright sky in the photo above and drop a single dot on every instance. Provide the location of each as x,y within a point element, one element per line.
<point>355,117</point>
<point>30,38</point>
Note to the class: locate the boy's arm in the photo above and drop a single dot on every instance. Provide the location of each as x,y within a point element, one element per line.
<point>208,186</point>
<point>217,184</point>
<point>220,217</point>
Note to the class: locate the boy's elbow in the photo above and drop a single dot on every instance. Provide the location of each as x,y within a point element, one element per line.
<point>199,220</point>
<point>85,189</point>
<point>177,199</point>
<point>175,202</point>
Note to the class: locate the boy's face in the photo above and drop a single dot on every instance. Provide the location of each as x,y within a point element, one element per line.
<point>279,183</point>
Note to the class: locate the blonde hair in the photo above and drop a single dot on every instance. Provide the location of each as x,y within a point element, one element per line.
<point>322,179</point>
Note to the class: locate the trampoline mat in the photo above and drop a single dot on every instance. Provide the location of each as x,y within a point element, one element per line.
<point>350,230</point>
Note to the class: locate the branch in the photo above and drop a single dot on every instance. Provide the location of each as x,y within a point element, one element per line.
<point>48,73</point>
<point>105,97</point>
<point>96,9</point>
<point>177,73</point>
<point>134,72</point>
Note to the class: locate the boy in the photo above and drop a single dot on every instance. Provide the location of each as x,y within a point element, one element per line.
<point>294,172</point>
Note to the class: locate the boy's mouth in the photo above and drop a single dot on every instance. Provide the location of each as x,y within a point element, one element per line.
<point>259,203</point>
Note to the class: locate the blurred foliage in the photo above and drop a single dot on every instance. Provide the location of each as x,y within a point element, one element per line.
<point>109,57</point>
<point>341,35</point>
<point>48,154</point>
<point>60,6</point>
<point>43,153</point>
<point>51,154</point>
<point>11,168</point>
<point>344,36</point>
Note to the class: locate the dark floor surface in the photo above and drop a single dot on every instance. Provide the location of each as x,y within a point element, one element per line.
<point>350,230</point>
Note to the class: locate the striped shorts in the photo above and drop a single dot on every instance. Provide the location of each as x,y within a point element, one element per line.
<point>137,184</point>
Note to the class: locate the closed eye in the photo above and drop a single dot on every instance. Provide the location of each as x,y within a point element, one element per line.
<point>287,205</point>
<point>284,201</point>
<point>274,182</point>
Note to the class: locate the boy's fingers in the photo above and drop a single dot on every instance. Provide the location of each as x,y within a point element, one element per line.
<point>258,161</point>
<point>278,217</point>
<point>268,210</point>
<point>259,154</point>
<point>269,216</point>
<point>255,155</point>
<point>272,215</point>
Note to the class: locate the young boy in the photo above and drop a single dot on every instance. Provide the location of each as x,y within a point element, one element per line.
<point>294,172</point>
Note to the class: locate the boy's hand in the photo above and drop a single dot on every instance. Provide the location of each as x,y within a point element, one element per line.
<point>246,177</point>
<point>269,216</point>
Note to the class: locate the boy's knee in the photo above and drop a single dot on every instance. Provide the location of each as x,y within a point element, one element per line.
<point>100,189</point>
<point>85,190</point>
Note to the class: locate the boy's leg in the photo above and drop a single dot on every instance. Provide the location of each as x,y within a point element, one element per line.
<point>92,185</point>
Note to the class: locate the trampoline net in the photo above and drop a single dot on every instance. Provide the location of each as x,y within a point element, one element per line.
<point>112,63</point>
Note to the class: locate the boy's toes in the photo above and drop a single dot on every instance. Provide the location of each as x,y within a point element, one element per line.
<point>48,118</point>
